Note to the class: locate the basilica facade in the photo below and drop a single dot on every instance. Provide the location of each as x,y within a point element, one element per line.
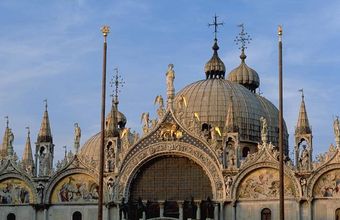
<point>211,153</point>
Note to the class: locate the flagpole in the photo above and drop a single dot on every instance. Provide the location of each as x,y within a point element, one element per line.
<point>105,30</point>
<point>281,173</point>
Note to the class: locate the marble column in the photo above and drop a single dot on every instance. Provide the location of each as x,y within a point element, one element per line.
<point>222,211</point>
<point>198,212</point>
<point>215,211</point>
<point>180,207</point>
<point>161,209</point>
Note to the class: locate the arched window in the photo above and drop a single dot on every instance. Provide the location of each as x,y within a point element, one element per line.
<point>337,214</point>
<point>10,216</point>
<point>245,152</point>
<point>266,214</point>
<point>76,216</point>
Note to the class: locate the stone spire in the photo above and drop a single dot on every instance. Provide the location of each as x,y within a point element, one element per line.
<point>5,140</point>
<point>302,126</point>
<point>27,158</point>
<point>230,124</point>
<point>45,134</point>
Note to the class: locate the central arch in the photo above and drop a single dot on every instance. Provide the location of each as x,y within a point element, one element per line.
<point>170,177</point>
<point>142,156</point>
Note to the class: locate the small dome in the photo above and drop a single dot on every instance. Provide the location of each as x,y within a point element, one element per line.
<point>215,67</point>
<point>245,75</point>
<point>121,119</point>
<point>91,148</point>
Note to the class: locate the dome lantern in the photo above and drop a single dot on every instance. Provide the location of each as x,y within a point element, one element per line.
<point>215,68</point>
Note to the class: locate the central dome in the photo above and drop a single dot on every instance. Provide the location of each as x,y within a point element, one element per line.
<point>211,98</point>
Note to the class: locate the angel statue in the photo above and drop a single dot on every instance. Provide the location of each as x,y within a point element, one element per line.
<point>264,129</point>
<point>77,135</point>
<point>160,111</point>
<point>145,121</point>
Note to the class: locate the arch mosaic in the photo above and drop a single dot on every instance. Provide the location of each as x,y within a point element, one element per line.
<point>18,189</point>
<point>327,183</point>
<point>15,191</point>
<point>261,182</point>
<point>171,148</point>
<point>80,185</point>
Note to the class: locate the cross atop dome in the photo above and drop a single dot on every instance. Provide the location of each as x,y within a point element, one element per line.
<point>116,82</point>
<point>242,40</point>
<point>215,24</point>
<point>215,68</point>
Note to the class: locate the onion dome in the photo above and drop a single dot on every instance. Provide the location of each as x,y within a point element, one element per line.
<point>215,67</point>
<point>245,75</point>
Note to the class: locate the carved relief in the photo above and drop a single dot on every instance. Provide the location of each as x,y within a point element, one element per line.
<point>264,184</point>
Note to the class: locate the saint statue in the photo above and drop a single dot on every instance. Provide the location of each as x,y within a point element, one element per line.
<point>77,135</point>
<point>170,76</point>
<point>264,129</point>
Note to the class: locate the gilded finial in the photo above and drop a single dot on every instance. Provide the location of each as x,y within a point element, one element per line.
<point>116,82</point>
<point>279,32</point>
<point>45,102</point>
<point>7,121</point>
<point>215,24</point>
<point>105,30</point>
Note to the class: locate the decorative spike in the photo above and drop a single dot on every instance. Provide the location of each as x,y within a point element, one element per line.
<point>230,124</point>
<point>27,157</point>
<point>302,126</point>
<point>45,134</point>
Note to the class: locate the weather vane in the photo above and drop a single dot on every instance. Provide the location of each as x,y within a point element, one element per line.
<point>243,38</point>
<point>116,82</point>
<point>28,130</point>
<point>215,24</point>
<point>7,121</point>
<point>302,93</point>
<point>45,102</point>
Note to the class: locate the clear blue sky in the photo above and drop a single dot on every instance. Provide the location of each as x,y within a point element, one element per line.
<point>53,49</point>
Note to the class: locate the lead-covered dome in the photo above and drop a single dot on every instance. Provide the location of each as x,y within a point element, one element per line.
<point>210,99</point>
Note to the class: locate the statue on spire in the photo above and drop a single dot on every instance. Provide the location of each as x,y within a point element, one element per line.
<point>170,77</point>
<point>77,135</point>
